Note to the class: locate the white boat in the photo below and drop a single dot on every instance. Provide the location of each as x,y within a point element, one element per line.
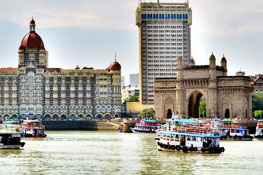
<point>185,135</point>
<point>259,130</point>
<point>146,126</point>
<point>230,131</point>
<point>10,140</point>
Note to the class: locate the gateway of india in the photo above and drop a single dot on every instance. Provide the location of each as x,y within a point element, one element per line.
<point>226,96</point>
<point>33,90</point>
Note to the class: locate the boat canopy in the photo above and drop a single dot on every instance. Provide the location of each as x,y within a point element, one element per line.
<point>225,120</point>
<point>150,121</point>
<point>185,121</point>
<point>11,122</point>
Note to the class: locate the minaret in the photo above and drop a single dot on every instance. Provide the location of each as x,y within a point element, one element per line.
<point>224,65</point>
<point>32,25</point>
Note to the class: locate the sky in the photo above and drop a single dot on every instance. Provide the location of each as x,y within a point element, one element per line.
<point>88,33</point>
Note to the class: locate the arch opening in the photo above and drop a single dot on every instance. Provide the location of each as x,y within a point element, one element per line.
<point>197,105</point>
<point>227,113</point>
<point>63,117</point>
<point>169,114</point>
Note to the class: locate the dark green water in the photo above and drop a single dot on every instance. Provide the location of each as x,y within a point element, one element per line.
<point>97,152</point>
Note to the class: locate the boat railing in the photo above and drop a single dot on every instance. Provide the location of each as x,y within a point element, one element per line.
<point>197,131</point>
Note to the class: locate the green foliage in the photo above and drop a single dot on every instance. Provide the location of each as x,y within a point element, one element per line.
<point>257,101</point>
<point>146,113</point>
<point>258,114</point>
<point>203,108</point>
<point>133,98</point>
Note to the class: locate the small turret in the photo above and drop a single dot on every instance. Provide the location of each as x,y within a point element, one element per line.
<point>179,61</point>
<point>212,61</point>
<point>224,63</point>
<point>191,62</point>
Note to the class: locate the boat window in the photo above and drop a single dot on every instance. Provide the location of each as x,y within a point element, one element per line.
<point>193,138</point>
<point>188,138</point>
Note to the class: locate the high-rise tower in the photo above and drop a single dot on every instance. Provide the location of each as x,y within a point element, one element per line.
<point>164,34</point>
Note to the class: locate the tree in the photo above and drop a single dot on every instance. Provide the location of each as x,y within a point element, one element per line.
<point>146,113</point>
<point>258,114</point>
<point>257,105</point>
<point>133,98</point>
<point>203,108</point>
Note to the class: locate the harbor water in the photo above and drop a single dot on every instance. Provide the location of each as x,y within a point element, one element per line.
<point>104,152</point>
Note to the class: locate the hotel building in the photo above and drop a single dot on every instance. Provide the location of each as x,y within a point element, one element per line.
<point>164,34</point>
<point>33,90</point>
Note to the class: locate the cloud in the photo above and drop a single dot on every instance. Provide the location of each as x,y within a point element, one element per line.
<point>112,14</point>
<point>222,18</point>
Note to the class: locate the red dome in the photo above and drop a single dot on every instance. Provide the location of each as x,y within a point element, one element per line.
<point>32,40</point>
<point>115,66</point>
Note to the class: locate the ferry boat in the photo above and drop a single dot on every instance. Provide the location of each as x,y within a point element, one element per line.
<point>33,128</point>
<point>233,132</point>
<point>188,136</point>
<point>10,137</point>
<point>146,126</point>
<point>259,130</point>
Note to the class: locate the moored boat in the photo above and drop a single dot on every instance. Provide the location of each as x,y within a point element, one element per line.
<point>146,126</point>
<point>188,136</point>
<point>10,137</point>
<point>33,128</point>
<point>259,130</point>
<point>230,131</point>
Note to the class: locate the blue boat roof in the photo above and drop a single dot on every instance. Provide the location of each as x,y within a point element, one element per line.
<point>11,122</point>
<point>150,121</point>
<point>185,121</point>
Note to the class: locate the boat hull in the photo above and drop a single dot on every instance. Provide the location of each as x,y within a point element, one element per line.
<point>185,149</point>
<point>12,146</point>
<point>134,130</point>
<point>248,138</point>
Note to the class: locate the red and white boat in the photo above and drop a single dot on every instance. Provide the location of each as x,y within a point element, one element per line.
<point>33,128</point>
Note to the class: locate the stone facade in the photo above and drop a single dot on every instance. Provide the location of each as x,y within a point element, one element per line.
<point>226,96</point>
<point>257,83</point>
<point>33,90</point>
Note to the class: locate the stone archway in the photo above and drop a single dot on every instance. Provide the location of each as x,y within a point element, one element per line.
<point>72,117</point>
<point>63,117</point>
<point>194,104</point>
<point>47,117</point>
<point>55,117</point>
<point>227,113</point>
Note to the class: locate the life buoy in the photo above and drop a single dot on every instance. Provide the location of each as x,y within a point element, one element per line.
<point>185,149</point>
<point>172,147</point>
<point>168,146</point>
<point>177,147</point>
<point>235,137</point>
<point>195,148</point>
<point>222,149</point>
<point>203,150</point>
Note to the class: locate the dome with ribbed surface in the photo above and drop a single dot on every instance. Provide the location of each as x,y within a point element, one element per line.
<point>32,40</point>
<point>115,66</point>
